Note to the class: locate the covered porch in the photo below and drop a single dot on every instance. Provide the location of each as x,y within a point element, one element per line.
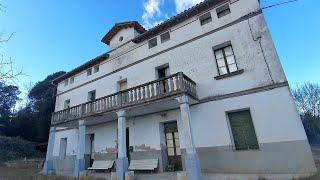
<point>175,92</point>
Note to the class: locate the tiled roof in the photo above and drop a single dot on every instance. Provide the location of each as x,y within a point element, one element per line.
<point>203,6</point>
<point>118,26</point>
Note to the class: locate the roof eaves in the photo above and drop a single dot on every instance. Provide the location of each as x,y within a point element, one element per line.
<point>83,67</point>
<point>202,6</point>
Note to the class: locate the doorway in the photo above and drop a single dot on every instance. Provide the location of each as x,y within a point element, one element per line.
<point>127,144</point>
<point>173,145</point>
<point>163,71</point>
<point>91,148</point>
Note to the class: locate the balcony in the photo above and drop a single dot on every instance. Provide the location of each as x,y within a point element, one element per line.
<point>149,93</point>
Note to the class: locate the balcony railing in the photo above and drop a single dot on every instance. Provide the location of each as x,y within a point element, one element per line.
<point>155,90</point>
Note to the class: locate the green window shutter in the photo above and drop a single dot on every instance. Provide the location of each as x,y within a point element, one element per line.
<point>242,129</point>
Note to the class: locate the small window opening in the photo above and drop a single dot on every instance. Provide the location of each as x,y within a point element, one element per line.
<point>66,82</point>
<point>92,95</point>
<point>72,80</point>
<point>204,19</point>
<point>89,72</point>
<point>123,85</point>
<point>67,104</point>
<point>152,43</point>
<point>165,37</point>
<point>96,69</point>
<point>223,10</point>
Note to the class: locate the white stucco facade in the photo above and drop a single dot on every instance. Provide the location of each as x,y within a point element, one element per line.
<point>259,86</point>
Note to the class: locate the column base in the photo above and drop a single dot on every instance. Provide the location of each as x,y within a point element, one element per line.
<point>193,166</point>
<point>122,165</point>
<point>79,167</point>
<point>47,166</point>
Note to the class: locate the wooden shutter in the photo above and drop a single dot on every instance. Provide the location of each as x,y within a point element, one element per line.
<point>243,132</point>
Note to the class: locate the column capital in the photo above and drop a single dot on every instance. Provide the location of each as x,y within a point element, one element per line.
<point>82,122</point>
<point>121,113</point>
<point>183,99</point>
<point>53,129</point>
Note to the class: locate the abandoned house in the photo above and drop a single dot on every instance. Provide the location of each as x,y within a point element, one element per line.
<point>203,93</point>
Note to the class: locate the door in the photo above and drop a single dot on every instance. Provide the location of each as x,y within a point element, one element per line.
<point>163,72</point>
<point>127,144</point>
<point>173,145</point>
<point>91,149</point>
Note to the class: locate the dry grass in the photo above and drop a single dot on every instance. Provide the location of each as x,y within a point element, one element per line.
<point>11,173</point>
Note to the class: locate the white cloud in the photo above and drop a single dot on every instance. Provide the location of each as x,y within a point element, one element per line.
<point>151,10</point>
<point>182,5</point>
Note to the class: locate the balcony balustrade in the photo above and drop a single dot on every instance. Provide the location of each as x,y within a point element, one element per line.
<point>169,86</point>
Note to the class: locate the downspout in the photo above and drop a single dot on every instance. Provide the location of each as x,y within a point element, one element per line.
<point>262,51</point>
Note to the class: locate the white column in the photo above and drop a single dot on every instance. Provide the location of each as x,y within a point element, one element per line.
<point>122,160</point>
<point>80,161</point>
<point>191,159</point>
<point>48,164</point>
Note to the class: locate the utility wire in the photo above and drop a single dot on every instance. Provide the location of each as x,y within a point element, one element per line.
<point>287,2</point>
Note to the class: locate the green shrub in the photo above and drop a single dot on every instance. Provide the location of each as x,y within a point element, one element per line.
<point>14,148</point>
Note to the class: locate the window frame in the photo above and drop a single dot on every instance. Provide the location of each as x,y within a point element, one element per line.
<point>231,133</point>
<point>223,9</point>
<point>66,82</point>
<point>89,72</point>
<point>120,82</point>
<point>205,20</point>
<point>96,68</point>
<point>163,35</point>
<point>66,102</point>
<point>150,42</point>
<point>90,95</point>
<point>72,80</point>
<point>222,47</point>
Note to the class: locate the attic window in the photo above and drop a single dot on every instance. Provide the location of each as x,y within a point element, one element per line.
<point>66,82</point>
<point>165,37</point>
<point>96,69</point>
<point>223,10</point>
<point>120,38</point>
<point>152,43</point>
<point>72,80</point>
<point>89,72</point>
<point>204,19</point>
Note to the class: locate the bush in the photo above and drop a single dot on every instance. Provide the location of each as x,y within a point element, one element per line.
<point>14,148</point>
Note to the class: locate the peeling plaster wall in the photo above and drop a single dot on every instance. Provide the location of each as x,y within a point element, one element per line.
<point>195,59</point>
<point>105,137</point>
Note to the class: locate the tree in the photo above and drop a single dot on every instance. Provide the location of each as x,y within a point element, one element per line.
<point>307,99</point>
<point>8,99</point>
<point>33,121</point>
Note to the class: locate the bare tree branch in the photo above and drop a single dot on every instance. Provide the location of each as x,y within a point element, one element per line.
<point>3,8</point>
<point>307,98</point>
<point>8,72</point>
<point>5,39</point>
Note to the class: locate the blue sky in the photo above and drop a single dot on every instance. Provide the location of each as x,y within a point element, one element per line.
<point>60,35</point>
